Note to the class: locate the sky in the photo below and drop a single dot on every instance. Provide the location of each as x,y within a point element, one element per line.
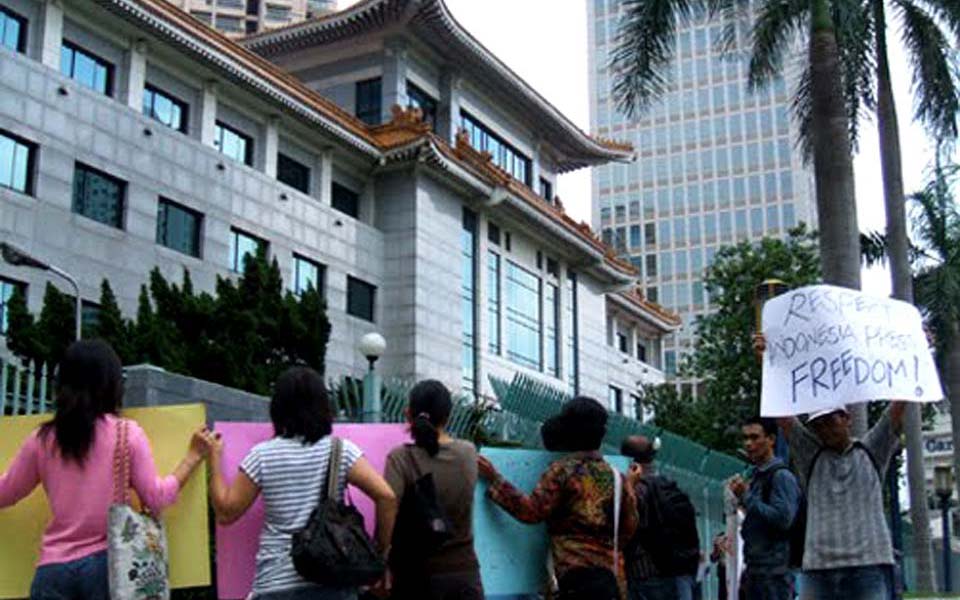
<point>545,43</point>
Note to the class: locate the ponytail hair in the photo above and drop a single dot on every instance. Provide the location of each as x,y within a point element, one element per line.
<point>430,407</point>
<point>89,386</point>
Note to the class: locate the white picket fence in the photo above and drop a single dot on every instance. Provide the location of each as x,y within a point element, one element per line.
<point>23,391</point>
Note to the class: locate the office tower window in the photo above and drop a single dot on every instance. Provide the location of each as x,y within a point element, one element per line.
<point>649,234</point>
<point>98,196</point>
<point>13,31</point>
<point>651,264</point>
<point>178,227</point>
<point>86,69</point>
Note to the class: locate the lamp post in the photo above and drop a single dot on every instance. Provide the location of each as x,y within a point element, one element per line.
<point>18,258</point>
<point>372,347</point>
<point>943,485</point>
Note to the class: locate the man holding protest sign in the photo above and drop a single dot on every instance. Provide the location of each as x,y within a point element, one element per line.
<point>825,347</point>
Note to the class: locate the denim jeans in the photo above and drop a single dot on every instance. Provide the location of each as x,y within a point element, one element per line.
<point>762,586</point>
<point>851,583</point>
<point>81,579</point>
<point>663,588</point>
<point>311,592</point>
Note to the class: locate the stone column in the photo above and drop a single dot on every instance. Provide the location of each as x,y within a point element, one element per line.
<point>208,113</point>
<point>51,34</point>
<point>271,144</point>
<point>136,74</point>
<point>394,81</point>
<point>325,178</point>
<point>448,111</point>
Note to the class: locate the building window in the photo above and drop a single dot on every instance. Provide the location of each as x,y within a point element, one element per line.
<point>178,227</point>
<point>493,301</point>
<point>307,274</point>
<point>622,342</point>
<point>278,13</point>
<point>243,244</point>
<point>649,234</point>
<point>230,23</point>
<point>551,305</point>
<point>546,190</point>
<point>203,16</point>
<point>233,143</point>
<point>17,156</point>
<point>361,297</point>
<point>651,264</point>
<point>493,234</point>
<point>642,352</point>
<point>504,155</point>
<point>468,294</point>
<point>13,31</point>
<point>345,200</point>
<point>89,316</point>
<point>86,69</point>
<point>615,400</point>
<point>250,27</point>
<point>7,288</point>
<point>670,363</point>
<point>164,108</point>
<point>293,173</point>
<point>523,317</point>
<point>368,101</point>
<point>98,196</point>
<point>571,359</point>
<point>417,98</point>
<point>253,7</point>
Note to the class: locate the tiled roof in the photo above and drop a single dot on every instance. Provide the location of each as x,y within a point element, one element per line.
<point>636,298</point>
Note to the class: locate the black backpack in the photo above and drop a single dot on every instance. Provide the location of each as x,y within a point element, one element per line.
<point>422,527</point>
<point>670,535</point>
<point>334,549</point>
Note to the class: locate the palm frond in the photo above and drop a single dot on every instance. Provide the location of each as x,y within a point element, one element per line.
<point>946,11</point>
<point>644,47</point>
<point>803,113</point>
<point>873,248</point>
<point>777,25</point>
<point>854,28</point>
<point>935,84</point>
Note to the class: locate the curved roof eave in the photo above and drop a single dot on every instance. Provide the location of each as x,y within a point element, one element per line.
<point>582,150</point>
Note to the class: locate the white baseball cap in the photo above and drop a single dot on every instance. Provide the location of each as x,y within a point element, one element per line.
<point>826,412</point>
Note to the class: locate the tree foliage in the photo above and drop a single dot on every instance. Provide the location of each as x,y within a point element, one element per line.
<point>723,356</point>
<point>244,335</point>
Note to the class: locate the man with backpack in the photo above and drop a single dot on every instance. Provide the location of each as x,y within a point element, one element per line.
<point>771,503</point>
<point>662,558</point>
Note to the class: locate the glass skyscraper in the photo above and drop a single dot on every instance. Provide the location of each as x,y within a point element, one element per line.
<point>716,164</point>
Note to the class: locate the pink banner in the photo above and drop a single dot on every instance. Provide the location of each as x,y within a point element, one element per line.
<point>237,543</point>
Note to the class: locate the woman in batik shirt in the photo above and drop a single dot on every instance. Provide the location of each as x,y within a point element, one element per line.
<point>575,497</point>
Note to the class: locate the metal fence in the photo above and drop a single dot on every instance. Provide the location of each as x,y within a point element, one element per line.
<point>24,391</point>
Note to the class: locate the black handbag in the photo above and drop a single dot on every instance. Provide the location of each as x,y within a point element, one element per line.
<point>422,526</point>
<point>334,549</point>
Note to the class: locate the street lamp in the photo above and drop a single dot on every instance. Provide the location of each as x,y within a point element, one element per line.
<point>372,347</point>
<point>18,258</point>
<point>943,485</point>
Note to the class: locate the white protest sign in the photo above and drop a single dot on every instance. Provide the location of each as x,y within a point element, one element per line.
<point>829,346</point>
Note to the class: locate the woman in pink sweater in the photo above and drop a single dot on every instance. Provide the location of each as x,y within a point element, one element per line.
<point>72,456</point>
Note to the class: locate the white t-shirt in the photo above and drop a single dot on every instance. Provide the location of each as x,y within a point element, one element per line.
<point>289,475</point>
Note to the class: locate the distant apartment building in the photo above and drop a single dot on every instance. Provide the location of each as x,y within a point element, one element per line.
<point>238,18</point>
<point>715,165</point>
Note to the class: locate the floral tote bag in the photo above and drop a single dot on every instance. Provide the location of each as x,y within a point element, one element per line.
<point>136,541</point>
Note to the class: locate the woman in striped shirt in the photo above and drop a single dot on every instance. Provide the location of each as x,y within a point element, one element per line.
<point>287,471</point>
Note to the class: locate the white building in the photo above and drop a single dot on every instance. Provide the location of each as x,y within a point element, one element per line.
<point>134,137</point>
<point>716,165</point>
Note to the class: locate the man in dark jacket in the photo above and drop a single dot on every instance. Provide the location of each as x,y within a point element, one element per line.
<point>770,503</point>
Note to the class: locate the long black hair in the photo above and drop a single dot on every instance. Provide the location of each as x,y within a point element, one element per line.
<point>89,386</point>
<point>300,407</point>
<point>430,407</point>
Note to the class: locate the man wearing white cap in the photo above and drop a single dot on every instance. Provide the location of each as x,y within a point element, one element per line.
<point>848,552</point>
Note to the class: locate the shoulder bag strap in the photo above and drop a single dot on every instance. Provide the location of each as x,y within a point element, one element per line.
<point>617,491</point>
<point>333,469</point>
<point>121,465</point>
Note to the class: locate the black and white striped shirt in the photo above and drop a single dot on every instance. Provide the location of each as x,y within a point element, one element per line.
<point>289,475</point>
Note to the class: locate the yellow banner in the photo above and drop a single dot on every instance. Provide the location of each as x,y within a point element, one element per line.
<point>169,429</point>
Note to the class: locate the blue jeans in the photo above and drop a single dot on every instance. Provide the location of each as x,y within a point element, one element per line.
<point>663,588</point>
<point>850,583</point>
<point>312,592</point>
<point>81,579</point>
<point>762,586</point>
